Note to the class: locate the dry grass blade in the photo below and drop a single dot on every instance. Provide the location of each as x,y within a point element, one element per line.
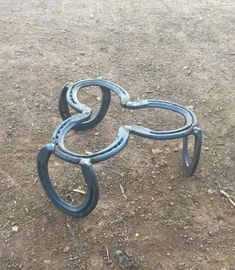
<point>79,190</point>
<point>228,197</point>
<point>108,257</point>
<point>123,191</point>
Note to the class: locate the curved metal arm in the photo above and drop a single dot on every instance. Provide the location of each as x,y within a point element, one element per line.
<point>190,168</point>
<point>92,195</point>
<point>94,121</point>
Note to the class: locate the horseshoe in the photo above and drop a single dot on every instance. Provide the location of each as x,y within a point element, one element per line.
<point>190,167</point>
<point>65,113</point>
<point>92,195</point>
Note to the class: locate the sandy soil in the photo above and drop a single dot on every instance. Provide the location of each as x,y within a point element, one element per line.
<point>182,51</point>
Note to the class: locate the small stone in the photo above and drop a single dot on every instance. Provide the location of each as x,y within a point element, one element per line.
<point>189,72</point>
<point>66,249</point>
<point>171,203</point>
<point>158,267</point>
<point>210,233</point>
<point>163,163</point>
<point>125,262</point>
<point>15,228</point>
<point>156,151</point>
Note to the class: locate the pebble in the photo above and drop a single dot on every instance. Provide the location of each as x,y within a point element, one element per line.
<point>158,267</point>
<point>156,151</point>
<point>125,262</point>
<point>15,228</point>
<point>66,249</point>
<point>163,163</point>
<point>122,174</point>
<point>210,233</point>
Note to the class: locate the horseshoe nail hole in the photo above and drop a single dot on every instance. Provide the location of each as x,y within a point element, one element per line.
<point>157,119</point>
<point>67,180</point>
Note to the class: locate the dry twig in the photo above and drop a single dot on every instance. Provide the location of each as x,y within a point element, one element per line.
<point>79,190</point>
<point>228,197</point>
<point>123,191</point>
<point>107,251</point>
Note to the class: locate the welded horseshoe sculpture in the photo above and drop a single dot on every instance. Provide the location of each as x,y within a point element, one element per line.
<point>84,120</point>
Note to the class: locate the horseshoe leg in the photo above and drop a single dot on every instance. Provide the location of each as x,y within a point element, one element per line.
<point>92,195</point>
<point>190,167</point>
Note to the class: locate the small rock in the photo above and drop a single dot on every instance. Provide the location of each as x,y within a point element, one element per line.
<point>189,72</point>
<point>158,267</point>
<point>125,262</point>
<point>171,203</point>
<point>210,233</point>
<point>15,228</point>
<point>156,151</point>
<point>66,249</point>
<point>210,191</point>
<point>163,163</point>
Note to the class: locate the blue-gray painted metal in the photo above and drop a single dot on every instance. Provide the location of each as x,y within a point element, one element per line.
<point>84,120</point>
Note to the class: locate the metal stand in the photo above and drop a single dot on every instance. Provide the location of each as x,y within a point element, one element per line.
<point>84,120</point>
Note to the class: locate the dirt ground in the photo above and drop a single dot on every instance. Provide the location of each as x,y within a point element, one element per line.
<point>181,51</point>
